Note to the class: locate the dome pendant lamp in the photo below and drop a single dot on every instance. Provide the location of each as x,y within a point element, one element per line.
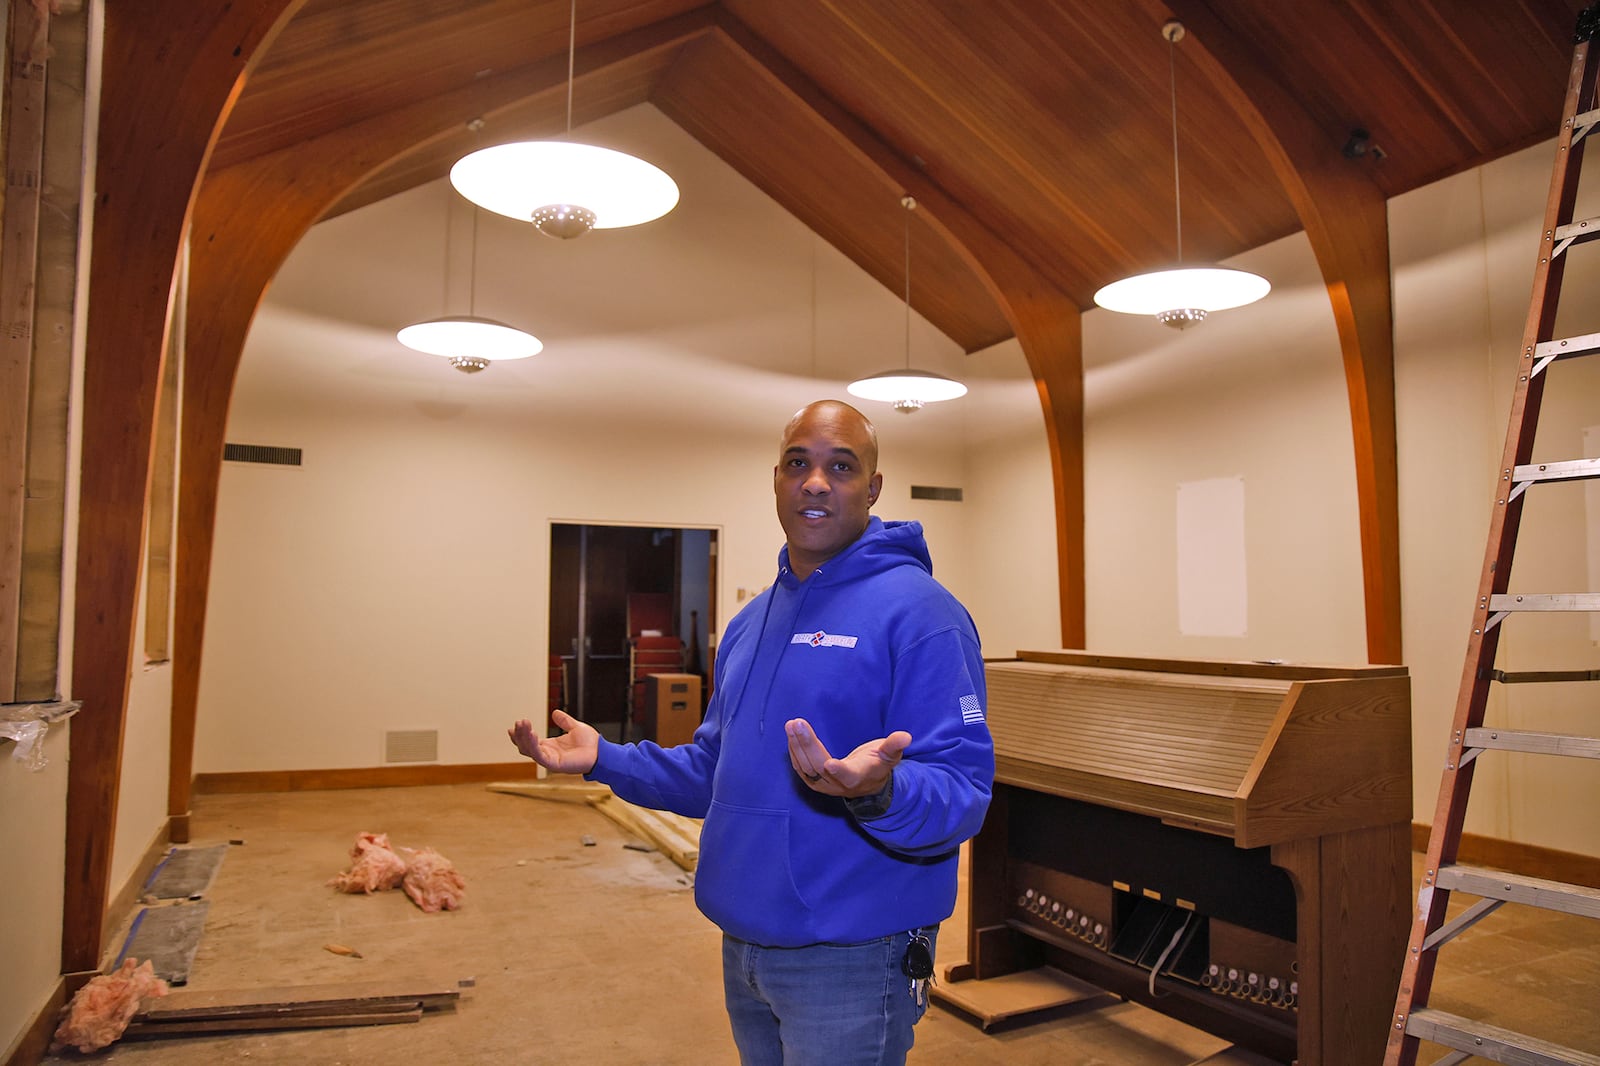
<point>1180,296</point>
<point>563,187</point>
<point>909,390</point>
<point>470,341</point>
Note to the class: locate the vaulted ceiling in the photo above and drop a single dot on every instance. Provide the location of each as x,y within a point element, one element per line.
<point>1048,124</point>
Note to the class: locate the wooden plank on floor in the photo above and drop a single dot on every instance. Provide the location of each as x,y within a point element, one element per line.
<point>998,998</point>
<point>429,993</point>
<point>201,1026</point>
<point>667,834</point>
<point>567,791</point>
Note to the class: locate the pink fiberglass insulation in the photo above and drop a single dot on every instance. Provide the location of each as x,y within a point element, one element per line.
<point>101,1010</point>
<point>432,881</point>
<point>376,866</point>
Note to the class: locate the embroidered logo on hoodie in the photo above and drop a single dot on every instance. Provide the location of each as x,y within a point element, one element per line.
<point>819,639</point>
<point>971,710</point>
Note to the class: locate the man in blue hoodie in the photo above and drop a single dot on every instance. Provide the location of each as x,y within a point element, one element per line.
<point>828,875</point>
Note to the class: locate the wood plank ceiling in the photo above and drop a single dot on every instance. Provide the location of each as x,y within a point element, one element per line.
<point>1048,123</point>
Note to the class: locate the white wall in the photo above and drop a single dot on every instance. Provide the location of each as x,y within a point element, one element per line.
<point>1255,393</point>
<point>33,834</point>
<point>1463,254</point>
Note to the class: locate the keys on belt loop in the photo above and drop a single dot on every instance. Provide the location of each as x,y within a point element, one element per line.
<point>917,964</point>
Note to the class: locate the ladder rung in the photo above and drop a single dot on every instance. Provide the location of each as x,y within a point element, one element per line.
<point>1576,233</point>
<point>1564,348</point>
<point>1580,900</point>
<point>1583,123</point>
<point>1558,601</point>
<point>1522,677</point>
<point>1537,743</point>
<point>1492,1042</point>
<point>1570,470</point>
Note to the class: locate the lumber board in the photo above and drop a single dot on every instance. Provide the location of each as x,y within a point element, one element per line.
<point>673,835</point>
<point>1024,992</point>
<point>636,820</point>
<point>264,1023</point>
<point>564,791</point>
<point>349,996</point>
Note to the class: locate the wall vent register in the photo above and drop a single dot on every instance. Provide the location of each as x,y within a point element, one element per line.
<point>260,453</point>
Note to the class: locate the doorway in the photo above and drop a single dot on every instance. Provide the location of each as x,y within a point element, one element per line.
<point>625,600</point>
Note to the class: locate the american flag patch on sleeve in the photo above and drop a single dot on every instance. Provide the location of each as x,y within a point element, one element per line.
<point>971,710</point>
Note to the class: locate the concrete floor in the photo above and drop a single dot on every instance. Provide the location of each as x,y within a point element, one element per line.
<point>597,954</point>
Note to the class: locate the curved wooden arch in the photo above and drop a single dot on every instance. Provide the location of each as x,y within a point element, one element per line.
<point>248,217</point>
<point>1346,220</point>
<point>143,189</point>
<point>1047,324</point>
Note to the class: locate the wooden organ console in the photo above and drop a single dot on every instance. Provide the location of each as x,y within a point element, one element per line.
<point>1241,830</point>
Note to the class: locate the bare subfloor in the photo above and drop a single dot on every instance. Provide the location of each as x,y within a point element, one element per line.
<point>596,954</point>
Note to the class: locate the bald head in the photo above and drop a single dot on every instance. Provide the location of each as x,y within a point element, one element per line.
<point>844,417</point>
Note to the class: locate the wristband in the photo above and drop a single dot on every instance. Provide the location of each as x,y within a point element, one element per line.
<point>866,808</point>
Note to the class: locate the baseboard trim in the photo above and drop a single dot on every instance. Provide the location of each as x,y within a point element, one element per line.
<point>35,1042</point>
<point>362,777</point>
<point>1531,859</point>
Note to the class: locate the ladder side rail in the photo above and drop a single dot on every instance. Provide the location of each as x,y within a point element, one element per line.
<point>1416,978</point>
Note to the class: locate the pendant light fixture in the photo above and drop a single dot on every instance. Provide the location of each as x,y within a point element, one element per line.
<point>563,187</point>
<point>909,390</point>
<point>469,341</point>
<point>1180,296</point>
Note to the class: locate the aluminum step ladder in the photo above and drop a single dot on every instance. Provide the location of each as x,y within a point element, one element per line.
<point>1413,1020</point>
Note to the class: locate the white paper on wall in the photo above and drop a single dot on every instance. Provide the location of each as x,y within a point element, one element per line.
<point>1211,568</point>
<point>1591,524</point>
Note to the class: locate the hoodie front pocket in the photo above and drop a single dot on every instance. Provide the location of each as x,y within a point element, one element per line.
<point>744,881</point>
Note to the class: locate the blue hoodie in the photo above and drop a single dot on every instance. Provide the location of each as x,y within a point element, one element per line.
<point>868,644</point>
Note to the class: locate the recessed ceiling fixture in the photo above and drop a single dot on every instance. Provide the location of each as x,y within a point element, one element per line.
<point>563,187</point>
<point>909,390</point>
<point>1180,296</point>
<point>470,341</point>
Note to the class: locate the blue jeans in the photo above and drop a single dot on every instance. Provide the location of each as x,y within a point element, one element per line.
<point>823,1005</point>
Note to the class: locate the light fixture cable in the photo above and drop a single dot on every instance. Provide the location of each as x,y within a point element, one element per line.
<point>910,205</point>
<point>572,58</point>
<point>1173,32</point>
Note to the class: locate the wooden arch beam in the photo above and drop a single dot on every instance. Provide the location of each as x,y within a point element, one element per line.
<point>184,63</point>
<point>248,217</point>
<point>1346,219</point>
<point>1047,324</point>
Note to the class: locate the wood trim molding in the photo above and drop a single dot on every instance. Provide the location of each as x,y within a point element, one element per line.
<point>1531,859</point>
<point>143,187</point>
<point>250,781</point>
<point>1346,220</point>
